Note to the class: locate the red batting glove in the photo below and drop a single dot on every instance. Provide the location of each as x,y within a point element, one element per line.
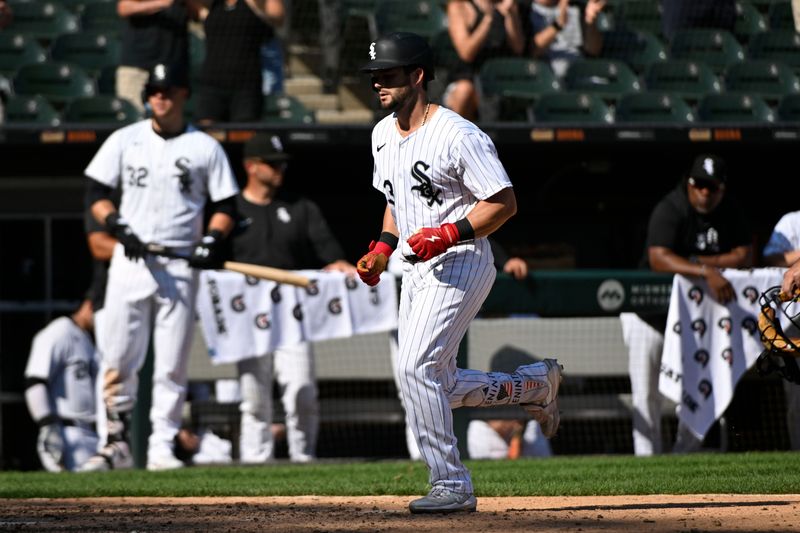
<point>371,265</point>
<point>427,243</point>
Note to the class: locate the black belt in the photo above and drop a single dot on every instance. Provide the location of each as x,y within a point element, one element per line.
<point>78,424</point>
<point>413,258</point>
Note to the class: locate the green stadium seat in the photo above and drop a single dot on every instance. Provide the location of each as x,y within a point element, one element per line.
<point>22,109</point>
<point>734,108</point>
<point>286,109</point>
<point>749,21</point>
<point>789,108</point>
<point>42,20</point>
<point>777,45</point>
<point>424,17</point>
<point>763,6</point>
<point>607,78</point>
<point>769,79</point>
<point>101,109</point>
<point>56,81</point>
<point>719,49</point>
<point>639,15</point>
<point>689,80</point>
<point>77,6</point>
<point>359,8</point>
<point>508,86</point>
<point>639,49</point>
<point>572,108</point>
<point>107,80</point>
<point>653,108</point>
<point>780,16</point>
<point>90,50</point>
<point>17,49</point>
<point>101,17</point>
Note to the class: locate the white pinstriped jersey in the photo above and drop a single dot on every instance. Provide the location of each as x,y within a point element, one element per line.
<point>63,355</point>
<point>437,174</point>
<point>165,182</point>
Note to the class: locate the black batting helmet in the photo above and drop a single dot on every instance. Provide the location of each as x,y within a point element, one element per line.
<point>164,76</point>
<point>400,49</point>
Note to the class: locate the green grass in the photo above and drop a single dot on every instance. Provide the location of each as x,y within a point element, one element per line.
<point>742,473</point>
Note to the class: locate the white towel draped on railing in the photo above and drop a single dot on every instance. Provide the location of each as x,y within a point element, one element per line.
<point>709,346</point>
<point>243,317</point>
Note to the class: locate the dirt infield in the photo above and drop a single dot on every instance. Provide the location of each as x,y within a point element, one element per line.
<point>687,513</point>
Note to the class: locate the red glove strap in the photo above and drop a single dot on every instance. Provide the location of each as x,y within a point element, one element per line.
<point>381,248</point>
<point>450,233</point>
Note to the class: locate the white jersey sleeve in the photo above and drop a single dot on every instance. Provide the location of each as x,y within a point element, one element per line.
<point>221,180</point>
<point>105,166</point>
<point>786,235</point>
<point>475,158</point>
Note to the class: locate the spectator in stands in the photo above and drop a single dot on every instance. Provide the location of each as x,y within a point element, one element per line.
<point>796,14</point>
<point>783,250</point>
<point>6,14</point>
<point>231,88</point>
<point>330,43</point>
<point>155,31</point>
<point>694,230</point>
<point>682,14</point>
<point>562,34</point>
<point>479,30</point>
<point>285,232</point>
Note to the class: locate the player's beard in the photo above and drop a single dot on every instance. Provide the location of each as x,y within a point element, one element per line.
<point>404,98</point>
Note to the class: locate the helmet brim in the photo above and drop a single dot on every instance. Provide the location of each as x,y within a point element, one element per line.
<point>380,64</point>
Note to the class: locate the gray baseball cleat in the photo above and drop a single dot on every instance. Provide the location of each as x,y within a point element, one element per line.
<point>113,456</point>
<point>547,413</point>
<point>444,500</point>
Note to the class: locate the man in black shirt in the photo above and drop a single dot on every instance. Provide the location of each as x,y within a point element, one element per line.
<point>694,230</point>
<point>290,233</point>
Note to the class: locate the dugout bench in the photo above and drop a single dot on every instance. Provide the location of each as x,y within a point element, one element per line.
<point>571,315</point>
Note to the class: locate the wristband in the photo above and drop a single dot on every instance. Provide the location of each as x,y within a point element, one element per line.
<point>556,25</point>
<point>465,230</point>
<point>47,420</point>
<point>389,239</point>
<point>112,220</point>
<point>216,234</point>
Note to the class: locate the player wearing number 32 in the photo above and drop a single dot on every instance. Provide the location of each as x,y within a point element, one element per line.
<point>167,170</point>
<point>445,191</point>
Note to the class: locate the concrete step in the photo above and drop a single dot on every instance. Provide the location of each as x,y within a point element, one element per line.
<point>317,102</point>
<point>349,116</point>
<point>303,84</point>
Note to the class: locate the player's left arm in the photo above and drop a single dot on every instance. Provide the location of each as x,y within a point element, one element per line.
<point>486,217</point>
<point>208,251</point>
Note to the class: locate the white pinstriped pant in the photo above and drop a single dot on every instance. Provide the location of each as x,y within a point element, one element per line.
<point>294,371</point>
<point>439,299</point>
<point>157,296</point>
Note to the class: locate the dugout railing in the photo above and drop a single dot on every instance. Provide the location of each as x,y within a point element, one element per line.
<point>572,315</point>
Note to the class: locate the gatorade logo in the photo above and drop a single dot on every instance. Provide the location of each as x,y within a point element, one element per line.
<point>610,295</point>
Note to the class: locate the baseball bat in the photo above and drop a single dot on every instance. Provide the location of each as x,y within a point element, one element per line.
<point>278,275</point>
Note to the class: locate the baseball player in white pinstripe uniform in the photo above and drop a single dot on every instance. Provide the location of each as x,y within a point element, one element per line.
<point>446,191</point>
<point>167,170</point>
<point>59,390</point>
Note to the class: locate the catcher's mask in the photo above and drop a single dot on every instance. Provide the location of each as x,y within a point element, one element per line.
<point>779,313</point>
